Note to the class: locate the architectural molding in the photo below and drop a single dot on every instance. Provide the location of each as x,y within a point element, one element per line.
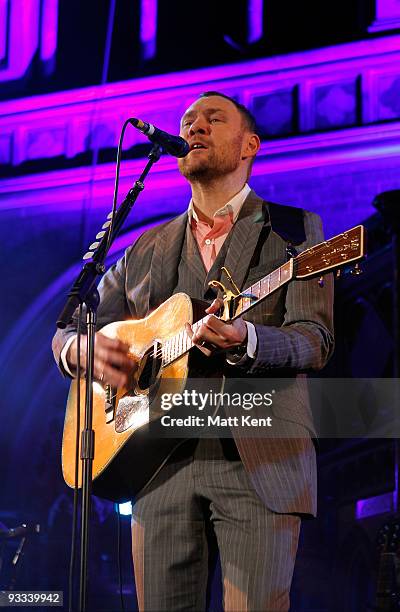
<point>387,16</point>
<point>301,93</point>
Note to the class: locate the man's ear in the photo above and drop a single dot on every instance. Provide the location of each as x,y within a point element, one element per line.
<point>251,146</point>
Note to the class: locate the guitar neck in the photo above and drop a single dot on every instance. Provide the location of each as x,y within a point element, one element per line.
<point>181,343</point>
<point>257,292</point>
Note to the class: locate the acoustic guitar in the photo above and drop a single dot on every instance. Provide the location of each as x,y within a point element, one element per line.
<point>128,453</point>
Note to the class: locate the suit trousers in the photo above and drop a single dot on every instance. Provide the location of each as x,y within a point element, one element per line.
<point>205,483</point>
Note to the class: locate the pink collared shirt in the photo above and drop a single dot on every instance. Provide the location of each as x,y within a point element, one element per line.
<point>210,238</point>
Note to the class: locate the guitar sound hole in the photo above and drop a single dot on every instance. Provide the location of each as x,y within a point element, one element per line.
<point>150,367</point>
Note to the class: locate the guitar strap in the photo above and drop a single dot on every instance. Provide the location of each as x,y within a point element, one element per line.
<point>287,222</point>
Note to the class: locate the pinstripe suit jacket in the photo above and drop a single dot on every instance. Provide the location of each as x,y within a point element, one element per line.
<point>294,330</point>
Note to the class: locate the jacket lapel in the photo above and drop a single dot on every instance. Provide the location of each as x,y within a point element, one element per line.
<point>164,267</point>
<point>192,257</point>
<point>246,232</point>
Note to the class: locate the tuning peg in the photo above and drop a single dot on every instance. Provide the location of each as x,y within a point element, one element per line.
<point>321,281</point>
<point>110,214</point>
<point>99,235</point>
<point>88,255</point>
<point>356,271</point>
<point>106,224</point>
<point>94,246</point>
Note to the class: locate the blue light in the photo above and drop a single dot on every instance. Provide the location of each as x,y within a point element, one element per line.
<point>373,506</point>
<point>125,509</point>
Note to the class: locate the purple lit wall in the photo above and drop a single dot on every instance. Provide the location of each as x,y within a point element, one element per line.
<point>255,19</point>
<point>332,112</point>
<point>148,28</point>
<point>26,27</point>
<point>387,15</point>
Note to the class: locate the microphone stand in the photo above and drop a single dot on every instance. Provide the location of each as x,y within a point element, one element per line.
<point>84,291</point>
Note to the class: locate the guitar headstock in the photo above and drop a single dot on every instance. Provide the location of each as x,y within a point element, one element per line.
<point>336,252</point>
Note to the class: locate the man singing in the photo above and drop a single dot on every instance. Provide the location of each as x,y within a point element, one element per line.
<point>252,492</point>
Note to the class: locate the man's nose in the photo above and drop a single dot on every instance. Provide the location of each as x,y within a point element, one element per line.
<point>199,125</point>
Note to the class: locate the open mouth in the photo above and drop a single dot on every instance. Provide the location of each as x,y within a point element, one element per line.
<point>197,146</point>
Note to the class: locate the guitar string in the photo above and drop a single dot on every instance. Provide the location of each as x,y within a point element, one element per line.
<point>174,340</point>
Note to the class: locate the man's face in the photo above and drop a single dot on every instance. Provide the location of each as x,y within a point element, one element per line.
<point>214,129</point>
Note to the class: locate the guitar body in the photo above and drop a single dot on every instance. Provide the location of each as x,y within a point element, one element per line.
<point>127,452</point>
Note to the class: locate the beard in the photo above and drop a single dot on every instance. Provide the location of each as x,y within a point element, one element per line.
<point>213,165</point>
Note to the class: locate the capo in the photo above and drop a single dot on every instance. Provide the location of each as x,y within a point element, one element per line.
<point>227,294</point>
<point>248,296</point>
<point>232,282</point>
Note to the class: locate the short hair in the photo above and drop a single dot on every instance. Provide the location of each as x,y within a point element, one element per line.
<point>247,117</point>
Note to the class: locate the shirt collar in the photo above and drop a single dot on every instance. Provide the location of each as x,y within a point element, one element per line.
<point>233,206</point>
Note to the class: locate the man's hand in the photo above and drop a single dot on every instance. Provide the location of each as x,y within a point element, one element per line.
<point>112,364</point>
<point>215,332</point>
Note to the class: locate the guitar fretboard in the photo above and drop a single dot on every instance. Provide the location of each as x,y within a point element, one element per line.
<point>181,343</point>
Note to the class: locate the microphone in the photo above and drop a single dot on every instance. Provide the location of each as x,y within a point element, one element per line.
<point>174,145</point>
